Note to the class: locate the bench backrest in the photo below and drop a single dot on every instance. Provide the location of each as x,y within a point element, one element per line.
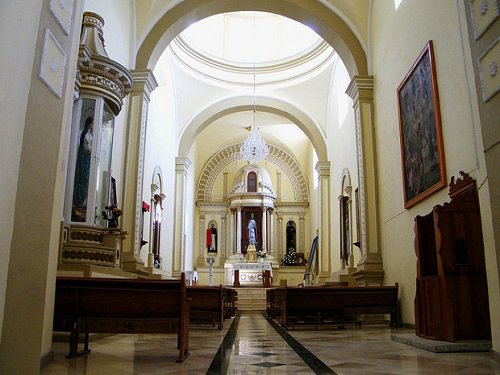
<point>205,297</point>
<point>317,298</point>
<point>119,298</point>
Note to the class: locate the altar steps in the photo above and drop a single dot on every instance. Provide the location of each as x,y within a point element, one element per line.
<point>251,299</point>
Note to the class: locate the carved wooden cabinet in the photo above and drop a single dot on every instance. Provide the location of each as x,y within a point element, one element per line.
<point>451,302</point>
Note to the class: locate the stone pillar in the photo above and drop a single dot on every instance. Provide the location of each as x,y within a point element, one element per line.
<point>278,185</point>
<point>370,270</point>
<point>323,169</point>
<point>271,234</point>
<point>231,234</point>
<point>144,84</point>
<point>302,233</point>
<point>181,170</point>
<point>279,235</point>
<point>264,229</point>
<point>224,190</point>
<point>238,231</point>
<point>201,244</point>
<point>222,239</point>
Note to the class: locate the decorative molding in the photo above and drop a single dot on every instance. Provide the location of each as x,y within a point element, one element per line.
<point>360,87</point>
<point>53,64</point>
<point>62,10</point>
<point>483,15</point>
<point>144,82</point>
<point>488,70</point>
<point>220,160</point>
<point>97,74</point>
<point>461,184</point>
<point>89,256</point>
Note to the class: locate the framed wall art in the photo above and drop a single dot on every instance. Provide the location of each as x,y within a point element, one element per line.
<point>422,154</point>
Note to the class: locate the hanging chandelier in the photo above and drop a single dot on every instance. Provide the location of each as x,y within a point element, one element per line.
<point>254,148</point>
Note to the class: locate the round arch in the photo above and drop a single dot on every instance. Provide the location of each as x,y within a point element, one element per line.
<point>313,13</point>
<point>266,104</point>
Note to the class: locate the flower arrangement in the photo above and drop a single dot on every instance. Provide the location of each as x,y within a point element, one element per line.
<point>290,258</point>
<point>261,253</point>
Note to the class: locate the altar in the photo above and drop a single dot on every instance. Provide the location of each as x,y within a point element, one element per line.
<point>252,274</point>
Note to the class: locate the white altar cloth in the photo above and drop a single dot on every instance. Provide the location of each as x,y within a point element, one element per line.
<point>251,273</point>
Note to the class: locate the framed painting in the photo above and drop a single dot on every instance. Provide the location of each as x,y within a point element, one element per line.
<point>422,155</point>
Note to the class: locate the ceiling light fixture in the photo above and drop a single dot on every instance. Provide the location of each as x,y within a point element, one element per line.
<point>254,148</point>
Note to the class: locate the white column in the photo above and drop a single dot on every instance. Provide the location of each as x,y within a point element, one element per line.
<point>231,233</point>
<point>279,234</point>
<point>224,191</point>
<point>323,169</point>
<point>181,170</point>
<point>238,230</point>
<point>370,268</point>
<point>144,84</point>
<point>264,229</point>
<point>271,233</point>
<point>302,233</point>
<point>201,243</point>
<point>222,239</point>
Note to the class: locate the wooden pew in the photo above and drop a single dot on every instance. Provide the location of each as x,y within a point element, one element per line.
<point>373,300</point>
<point>230,297</point>
<point>275,299</point>
<point>206,305</point>
<point>98,305</point>
<point>334,305</point>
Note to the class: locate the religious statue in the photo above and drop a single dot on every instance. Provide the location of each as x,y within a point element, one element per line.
<point>212,239</point>
<point>82,172</point>
<point>252,234</point>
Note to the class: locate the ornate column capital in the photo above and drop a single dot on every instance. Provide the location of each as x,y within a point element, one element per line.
<point>182,164</point>
<point>323,168</point>
<point>144,82</point>
<point>360,88</point>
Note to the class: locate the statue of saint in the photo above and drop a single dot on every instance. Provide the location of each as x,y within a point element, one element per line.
<point>252,234</point>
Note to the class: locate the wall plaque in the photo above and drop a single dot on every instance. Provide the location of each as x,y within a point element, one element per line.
<point>53,64</point>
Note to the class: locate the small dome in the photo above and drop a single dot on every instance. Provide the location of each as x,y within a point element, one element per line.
<point>252,179</point>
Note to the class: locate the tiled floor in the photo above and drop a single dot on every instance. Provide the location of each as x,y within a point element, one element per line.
<point>250,344</point>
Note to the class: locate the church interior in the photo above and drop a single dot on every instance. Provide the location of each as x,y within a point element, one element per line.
<point>324,172</point>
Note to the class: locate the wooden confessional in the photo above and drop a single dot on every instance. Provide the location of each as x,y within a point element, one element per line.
<point>451,302</point>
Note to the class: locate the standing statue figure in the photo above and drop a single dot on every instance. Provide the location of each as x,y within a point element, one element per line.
<point>82,172</point>
<point>252,227</point>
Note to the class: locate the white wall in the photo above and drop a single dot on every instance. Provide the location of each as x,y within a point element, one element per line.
<point>395,46</point>
<point>14,65</point>
<point>342,155</point>
<point>161,149</point>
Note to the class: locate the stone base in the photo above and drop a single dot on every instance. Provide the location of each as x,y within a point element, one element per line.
<point>368,277</point>
<point>436,346</point>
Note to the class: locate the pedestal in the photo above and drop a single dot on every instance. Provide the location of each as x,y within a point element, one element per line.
<point>251,256</point>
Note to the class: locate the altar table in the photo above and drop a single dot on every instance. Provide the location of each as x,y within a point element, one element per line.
<point>252,274</point>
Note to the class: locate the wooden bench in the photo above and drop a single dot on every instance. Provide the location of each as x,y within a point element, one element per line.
<point>274,299</point>
<point>206,305</point>
<point>335,305</point>
<point>97,305</point>
<point>230,297</point>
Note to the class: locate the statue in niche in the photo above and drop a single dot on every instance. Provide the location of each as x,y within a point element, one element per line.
<point>252,231</point>
<point>82,172</point>
<point>212,239</point>
<point>290,235</point>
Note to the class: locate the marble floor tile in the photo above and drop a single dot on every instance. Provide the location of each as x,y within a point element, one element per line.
<point>250,343</point>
